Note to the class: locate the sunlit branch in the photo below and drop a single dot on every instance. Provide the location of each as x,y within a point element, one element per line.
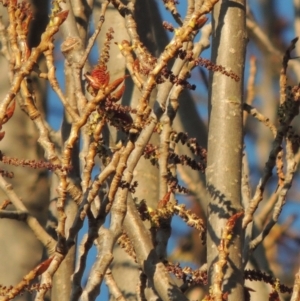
<point>291,169</point>
<point>32,222</point>
<point>113,287</point>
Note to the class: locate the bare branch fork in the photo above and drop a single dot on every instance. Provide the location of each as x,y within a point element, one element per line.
<point>124,152</point>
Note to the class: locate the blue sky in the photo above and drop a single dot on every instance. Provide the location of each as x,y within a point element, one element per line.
<point>285,8</point>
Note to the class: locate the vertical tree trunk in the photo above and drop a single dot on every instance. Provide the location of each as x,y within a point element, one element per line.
<point>20,251</point>
<point>225,143</point>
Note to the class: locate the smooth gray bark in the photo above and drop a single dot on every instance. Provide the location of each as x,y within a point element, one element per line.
<point>225,143</point>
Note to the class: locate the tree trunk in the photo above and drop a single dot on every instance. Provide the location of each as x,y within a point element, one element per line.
<point>20,251</point>
<point>225,145</point>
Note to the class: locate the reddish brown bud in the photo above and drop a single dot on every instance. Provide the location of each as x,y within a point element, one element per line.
<point>115,84</point>
<point>41,268</point>
<point>163,202</point>
<point>9,112</point>
<point>60,17</point>
<point>117,96</point>
<point>98,78</point>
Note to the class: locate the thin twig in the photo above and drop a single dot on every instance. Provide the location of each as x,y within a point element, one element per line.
<point>32,222</point>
